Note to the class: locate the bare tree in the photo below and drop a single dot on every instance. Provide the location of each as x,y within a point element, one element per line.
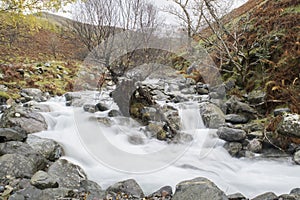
<point>98,21</point>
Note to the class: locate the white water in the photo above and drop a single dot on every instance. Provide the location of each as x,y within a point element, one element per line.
<point>204,157</point>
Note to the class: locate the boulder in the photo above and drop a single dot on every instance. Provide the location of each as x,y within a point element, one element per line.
<point>266,196</point>
<point>235,106</point>
<point>233,148</point>
<point>128,187</point>
<point>67,174</point>
<point>231,135</point>
<point>289,125</point>
<point>17,165</point>
<point>24,120</point>
<point>256,97</point>
<point>163,193</point>
<point>255,146</point>
<point>50,149</point>
<point>296,157</point>
<point>43,180</point>
<point>198,188</point>
<point>93,189</point>
<point>212,116</point>
<point>7,134</point>
<point>33,94</point>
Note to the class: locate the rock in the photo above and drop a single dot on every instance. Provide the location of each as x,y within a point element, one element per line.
<point>218,91</point>
<point>235,106</point>
<point>50,149</point>
<point>42,180</point>
<point>188,91</point>
<point>37,107</point>
<point>296,157</point>
<point>70,96</point>
<point>231,135</point>
<point>93,189</point>
<point>198,188</point>
<point>255,146</point>
<point>236,119</point>
<point>23,120</point>
<point>7,134</point>
<point>233,148</point>
<point>89,108</point>
<point>289,197</point>
<point>212,116</point>
<point>280,111</point>
<point>114,113</point>
<point>3,88</point>
<point>266,196</point>
<point>102,120</point>
<point>67,174</point>
<point>136,139</point>
<point>295,191</point>
<point>129,187</point>
<point>17,165</point>
<point>163,193</point>
<point>101,107</point>
<point>289,125</point>
<point>256,97</point>
<point>256,134</point>
<point>201,91</point>
<point>236,196</point>
<point>33,94</point>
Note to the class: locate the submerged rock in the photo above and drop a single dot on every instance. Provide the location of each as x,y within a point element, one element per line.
<point>198,188</point>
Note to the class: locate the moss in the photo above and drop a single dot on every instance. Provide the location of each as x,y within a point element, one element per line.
<point>4,95</point>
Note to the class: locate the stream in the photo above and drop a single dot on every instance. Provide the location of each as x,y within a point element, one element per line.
<point>107,155</point>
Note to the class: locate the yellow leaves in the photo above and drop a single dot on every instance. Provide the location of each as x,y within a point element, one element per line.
<point>274,88</point>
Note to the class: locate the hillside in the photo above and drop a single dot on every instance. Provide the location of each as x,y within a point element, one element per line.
<point>265,42</point>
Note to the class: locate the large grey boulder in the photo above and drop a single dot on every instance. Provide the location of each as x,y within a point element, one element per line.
<point>67,174</point>
<point>8,134</point>
<point>18,166</point>
<point>198,188</point>
<point>212,116</point>
<point>231,134</point>
<point>23,119</point>
<point>289,125</point>
<point>128,187</point>
<point>50,149</point>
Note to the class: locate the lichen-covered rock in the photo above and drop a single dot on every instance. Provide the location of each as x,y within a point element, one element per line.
<point>233,148</point>
<point>50,149</point>
<point>23,119</point>
<point>198,188</point>
<point>255,146</point>
<point>212,116</point>
<point>43,180</point>
<point>289,125</point>
<point>67,174</point>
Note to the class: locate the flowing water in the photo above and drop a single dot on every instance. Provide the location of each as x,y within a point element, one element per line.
<point>108,156</point>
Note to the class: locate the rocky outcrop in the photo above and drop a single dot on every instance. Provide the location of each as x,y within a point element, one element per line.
<point>198,188</point>
<point>23,119</point>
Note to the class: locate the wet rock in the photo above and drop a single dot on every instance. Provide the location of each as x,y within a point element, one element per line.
<point>7,134</point>
<point>266,196</point>
<point>114,113</point>
<point>233,148</point>
<point>157,130</point>
<point>236,119</point>
<point>50,149</point>
<point>42,180</point>
<point>23,120</point>
<point>231,135</point>
<point>255,146</point>
<point>33,94</point>
<point>101,107</point>
<point>70,97</point>
<point>89,108</point>
<point>60,168</point>
<point>212,116</point>
<point>281,111</point>
<point>289,125</point>
<point>37,107</point>
<point>102,120</point>
<point>136,139</point>
<point>129,187</point>
<point>198,188</point>
<point>17,165</point>
<point>236,196</point>
<point>163,193</point>
<point>296,157</point>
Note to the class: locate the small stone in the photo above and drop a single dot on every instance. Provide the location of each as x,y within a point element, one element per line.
<point>233,148</point>
<point>236,119</point>
<point>17,114</point>
<point>42,180</point>
<point>296,157</point>
<point>1,189</point>
<point>255,146</point>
